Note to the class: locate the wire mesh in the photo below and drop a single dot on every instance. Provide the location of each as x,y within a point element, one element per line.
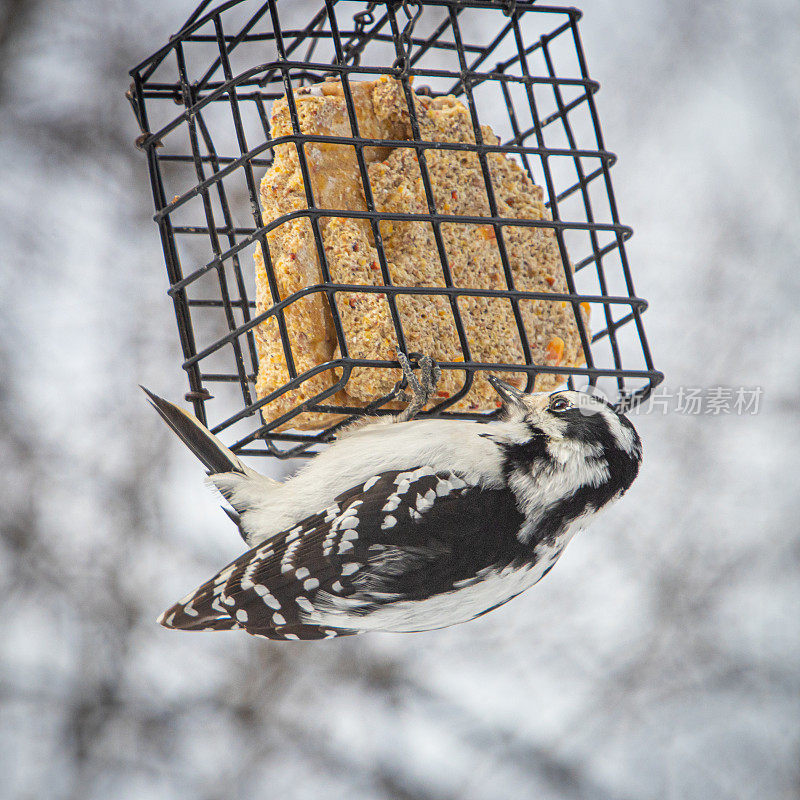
<point>517,66</point>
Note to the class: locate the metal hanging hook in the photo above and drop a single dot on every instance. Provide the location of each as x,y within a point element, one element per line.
<point>354,46</point>
<point>403,62</point>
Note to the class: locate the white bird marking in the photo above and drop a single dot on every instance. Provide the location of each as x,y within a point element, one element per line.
<point>241,615</point>
<point>392,503</point>
<point>371,482</point>
<point>414,515</point>
<point>251,569</point>
<point>293,534</point>
<point>286,561</point>
<point>304,603</point>
<point>344,547</point>
<point>623,435</point>
<point>350,522</point>
<point>223,576</point>
<point>444,488</point>
<point>337,587</point>
<point>302,573</point>
<point>350,568</point>
<point>278,619</point>
<point>425,502</point>
<point>545,481</point>
<point>456,482</point>
<point>247,577</point>
<point>192,612</point>
<point>388,522</point>
<point>268,599</point>
<point>310,583</point>
<point>293,636</point>
<point>349,536</point>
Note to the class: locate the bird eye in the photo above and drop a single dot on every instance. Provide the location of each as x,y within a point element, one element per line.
<point>559,404</point>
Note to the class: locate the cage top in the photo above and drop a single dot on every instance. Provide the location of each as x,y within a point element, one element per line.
<point>202,104</point>
<point>207,11</point>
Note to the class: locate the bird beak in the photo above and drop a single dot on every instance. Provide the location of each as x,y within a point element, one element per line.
<point>509,394</point>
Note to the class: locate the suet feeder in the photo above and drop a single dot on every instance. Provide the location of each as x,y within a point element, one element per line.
<point>203,101</point>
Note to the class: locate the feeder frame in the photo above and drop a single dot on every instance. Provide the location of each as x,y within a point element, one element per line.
<point>186,150</point>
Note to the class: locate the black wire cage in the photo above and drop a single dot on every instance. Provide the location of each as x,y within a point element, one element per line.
<point>517,66</point>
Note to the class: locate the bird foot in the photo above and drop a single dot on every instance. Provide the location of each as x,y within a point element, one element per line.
<point>421,389</point>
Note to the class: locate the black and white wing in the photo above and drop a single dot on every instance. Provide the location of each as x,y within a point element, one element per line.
<point>401,535</point>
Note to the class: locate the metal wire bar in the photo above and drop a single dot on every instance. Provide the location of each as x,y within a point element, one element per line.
<point>487,180</point>
<point>369,199</point>
<point>435,219</point>
<point>209,215</point>
<point>552,193</point>
<point>250,157</point>
<point>590,216</point>
<point>449,291</point>
<point>613,204</point>
<point>205,160</point>
<point>301,69</point>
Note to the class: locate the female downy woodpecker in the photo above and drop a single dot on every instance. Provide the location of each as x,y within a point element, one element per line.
<point>408,525</point>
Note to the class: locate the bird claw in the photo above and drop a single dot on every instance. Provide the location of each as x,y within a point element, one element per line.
<point>421,389</point>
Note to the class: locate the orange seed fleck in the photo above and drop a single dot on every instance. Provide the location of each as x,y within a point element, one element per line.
<point>555,350</point>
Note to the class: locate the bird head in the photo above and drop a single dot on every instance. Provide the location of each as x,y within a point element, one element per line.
<point>571,432</point>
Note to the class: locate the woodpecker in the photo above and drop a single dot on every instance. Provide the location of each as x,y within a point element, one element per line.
<point>407,524</point>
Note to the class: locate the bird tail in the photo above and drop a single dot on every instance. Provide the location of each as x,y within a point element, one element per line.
<point>215,456</point>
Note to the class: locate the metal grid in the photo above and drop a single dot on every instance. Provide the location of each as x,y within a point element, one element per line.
<point>517,66</point>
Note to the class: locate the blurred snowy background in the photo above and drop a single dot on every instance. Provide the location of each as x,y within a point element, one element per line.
<point>661,659</point>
